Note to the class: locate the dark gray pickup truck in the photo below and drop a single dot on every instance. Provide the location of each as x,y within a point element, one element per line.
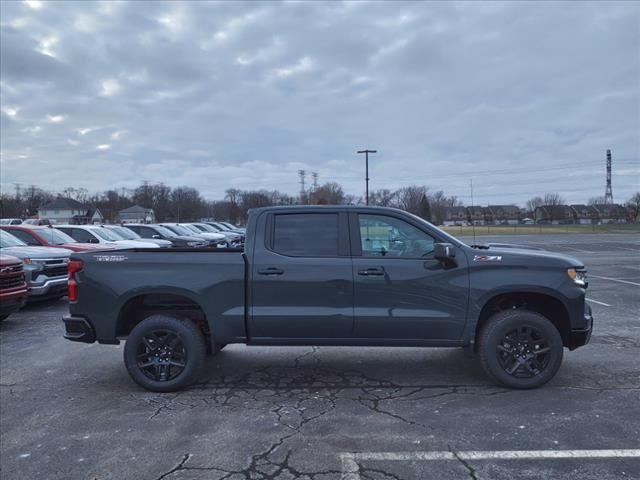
<point>345,275</point>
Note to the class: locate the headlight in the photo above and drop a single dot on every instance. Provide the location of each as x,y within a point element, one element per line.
<point>579,277</point>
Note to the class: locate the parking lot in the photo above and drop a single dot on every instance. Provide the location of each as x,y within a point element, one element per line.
<point>70,411</point>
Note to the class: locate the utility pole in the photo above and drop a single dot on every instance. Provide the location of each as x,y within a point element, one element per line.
<point>366,177</point>
<point>608,195</point>
<point>303,191</point>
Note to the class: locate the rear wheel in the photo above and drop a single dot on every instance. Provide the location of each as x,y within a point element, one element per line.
<point>164,353</point>
<point>520,349</point>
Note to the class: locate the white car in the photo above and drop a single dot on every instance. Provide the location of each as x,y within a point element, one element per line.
<point>127,234</point>
<point>99,234</point>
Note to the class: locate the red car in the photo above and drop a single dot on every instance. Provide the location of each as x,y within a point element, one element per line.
<point>43,236</point>
<point>13,288</point>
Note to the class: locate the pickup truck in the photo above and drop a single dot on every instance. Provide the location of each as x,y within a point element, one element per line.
<point>13,288</point>
<point>331,275</point>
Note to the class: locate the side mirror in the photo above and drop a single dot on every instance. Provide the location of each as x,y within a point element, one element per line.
<point>444,251</point>
<point>156,236</point>
<point>93,240</point>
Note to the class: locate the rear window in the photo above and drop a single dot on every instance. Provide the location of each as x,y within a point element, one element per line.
<point>306,234</point>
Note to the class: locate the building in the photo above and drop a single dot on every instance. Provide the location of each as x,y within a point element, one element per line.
<point>505,214</point>
<point>479,215</point>
<point>137,214</point>
<point>584,214</point>
<point>554,214</point>
<point>455,216</point>
<point>67,210</point>
<point>611,213</point>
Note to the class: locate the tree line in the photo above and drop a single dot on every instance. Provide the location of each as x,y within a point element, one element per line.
<point>187,204</point>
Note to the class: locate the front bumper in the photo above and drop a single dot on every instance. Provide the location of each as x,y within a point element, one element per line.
<point>581,337</point>
<point>12,301</point>
<point>50,287</point>
<point>78,329</point>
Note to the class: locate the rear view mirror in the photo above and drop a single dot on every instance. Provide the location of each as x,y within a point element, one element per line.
<point>444,251</point>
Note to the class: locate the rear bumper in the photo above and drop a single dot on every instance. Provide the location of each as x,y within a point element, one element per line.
<point>581,337</point>
<point>78,329</point>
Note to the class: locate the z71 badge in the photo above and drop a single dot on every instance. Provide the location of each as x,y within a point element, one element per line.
<point>487,258</point>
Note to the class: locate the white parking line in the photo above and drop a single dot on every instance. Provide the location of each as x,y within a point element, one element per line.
<point>351,468</point>
<point>615,280</point>
<point>596,301</point>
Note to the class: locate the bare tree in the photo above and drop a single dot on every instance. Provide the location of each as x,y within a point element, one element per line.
<point>554,205</point>
<point>633,204</point>
<point>328,194</point>
<point>410,198</point>
<point>596,200</point>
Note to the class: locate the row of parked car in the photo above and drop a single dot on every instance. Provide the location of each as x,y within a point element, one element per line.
<point>34,258</point>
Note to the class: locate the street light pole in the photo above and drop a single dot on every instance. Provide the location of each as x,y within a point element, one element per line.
<point>366,177</point>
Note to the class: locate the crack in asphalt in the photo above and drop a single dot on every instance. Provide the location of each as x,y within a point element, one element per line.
<point>471,470</point>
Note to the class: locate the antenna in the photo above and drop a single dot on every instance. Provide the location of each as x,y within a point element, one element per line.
<point>473,222</point>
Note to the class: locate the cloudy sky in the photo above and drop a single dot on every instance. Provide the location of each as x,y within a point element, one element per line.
<point>523,97</point>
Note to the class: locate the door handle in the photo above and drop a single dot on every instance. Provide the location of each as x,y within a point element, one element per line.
<point>270,271</point>
<point>371,272</point>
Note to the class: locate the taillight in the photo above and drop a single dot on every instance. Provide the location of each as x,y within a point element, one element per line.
<point>73,267</point>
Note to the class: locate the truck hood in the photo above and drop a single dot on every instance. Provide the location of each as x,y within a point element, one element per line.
<point>522,256</point>
<point>37,252</point>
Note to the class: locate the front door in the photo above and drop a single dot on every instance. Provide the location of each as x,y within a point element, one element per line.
<point>301,280</point>
<point>400,290</point>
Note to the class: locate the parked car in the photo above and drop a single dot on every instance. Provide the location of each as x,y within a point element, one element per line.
<point>339,275</point>
<point>37,221</point>
<point>233,239</point>
<point>162,233</point>
<point>185,232</point>
<point>233,227</point>
<point>215,238</point>
<point>101,235</point>
<point>41,236</point>
<point>127,234</point>
<point>13,287</point>
<point>10,221</point>
<point>45,268</point>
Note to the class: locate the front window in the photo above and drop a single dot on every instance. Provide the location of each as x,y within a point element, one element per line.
<point>383,236</point>
<point>105,234</point>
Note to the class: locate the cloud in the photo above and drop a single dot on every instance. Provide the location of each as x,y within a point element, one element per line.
<point>524,98</point>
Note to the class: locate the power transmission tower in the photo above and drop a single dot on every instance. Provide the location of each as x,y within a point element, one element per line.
<point>314,175</point>
<point>17,185</point>
<point>303,190</point>
<point>608,195</point>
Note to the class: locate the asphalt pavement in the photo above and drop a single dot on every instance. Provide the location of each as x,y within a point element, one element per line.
<point>70,411</point>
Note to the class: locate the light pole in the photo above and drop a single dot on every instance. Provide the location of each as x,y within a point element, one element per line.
<point>366,177</point>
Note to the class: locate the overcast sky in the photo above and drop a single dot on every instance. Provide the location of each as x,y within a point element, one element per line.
<point>523,97</point>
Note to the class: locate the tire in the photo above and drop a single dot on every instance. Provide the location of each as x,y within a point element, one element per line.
<point>164,353</point>
<point>520,349</point>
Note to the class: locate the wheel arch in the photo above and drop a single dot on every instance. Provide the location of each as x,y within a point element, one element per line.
<point>181,303</point>
<point>543,302</point>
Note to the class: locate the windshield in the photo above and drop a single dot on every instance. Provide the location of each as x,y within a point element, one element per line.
<point>8,240</point>
<point>206,228</point>
<point>222,226</point>
<point>164,231</point>
<point>105,234</point>
<point>54,236</point>
<point>180,230</point>
<point>191,228</point>
<point>216,227</point>
<point>126,233</point>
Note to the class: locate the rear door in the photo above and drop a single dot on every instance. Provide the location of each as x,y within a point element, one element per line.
<point>400,290</point>
<point>301,277</point>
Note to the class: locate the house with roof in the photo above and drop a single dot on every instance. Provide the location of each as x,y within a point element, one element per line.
<point>137,214</point>
<point>505,214</point>
<point>584,214</point>
<point>67,210</point>
<point>455,216</point>
<point>554,214</point>
<point>611,213</point>
<point>479,215</point>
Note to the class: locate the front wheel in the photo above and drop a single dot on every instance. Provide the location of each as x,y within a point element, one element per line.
<point>520,349</point>
<point>164,353</point>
